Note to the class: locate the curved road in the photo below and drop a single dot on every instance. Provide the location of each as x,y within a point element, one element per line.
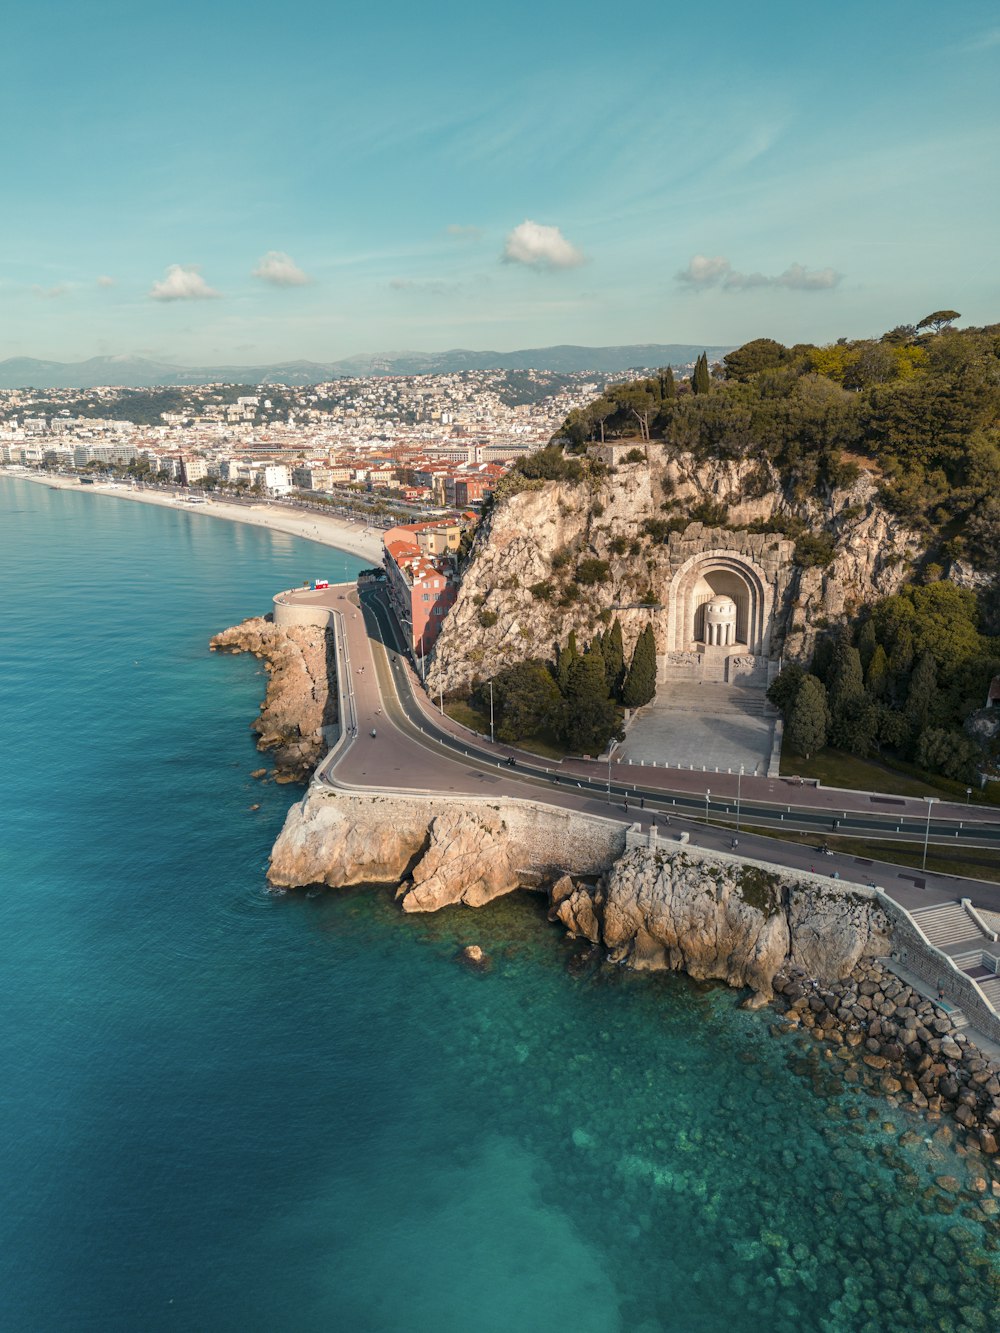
<point>417,749</point>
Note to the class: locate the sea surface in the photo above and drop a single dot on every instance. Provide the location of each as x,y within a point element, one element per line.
<point>225,1109</point>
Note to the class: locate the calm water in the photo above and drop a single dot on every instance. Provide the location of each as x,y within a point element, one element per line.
<point>224,1109</point>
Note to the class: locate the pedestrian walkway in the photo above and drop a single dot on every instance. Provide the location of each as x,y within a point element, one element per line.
<point>703,725</point>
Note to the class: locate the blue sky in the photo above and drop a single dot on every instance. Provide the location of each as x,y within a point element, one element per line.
<point>219,182</point>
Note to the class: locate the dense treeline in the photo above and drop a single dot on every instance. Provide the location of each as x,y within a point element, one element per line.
<point>899,683</point>
<point>918,407</point>
<point>576,699</point>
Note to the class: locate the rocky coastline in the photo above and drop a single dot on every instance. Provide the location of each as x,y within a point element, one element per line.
<point>298,705</point>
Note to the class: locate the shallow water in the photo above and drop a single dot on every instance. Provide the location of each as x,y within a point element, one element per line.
<point>226,1109</point>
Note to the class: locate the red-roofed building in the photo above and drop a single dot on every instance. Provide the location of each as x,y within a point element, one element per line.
<point>422,578</point>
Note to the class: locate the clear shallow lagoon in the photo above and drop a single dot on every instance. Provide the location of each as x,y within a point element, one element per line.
<point>228,1110</point>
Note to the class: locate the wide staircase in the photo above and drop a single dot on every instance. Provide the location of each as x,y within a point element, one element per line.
<point>685,696</point>
<point>950,928</point>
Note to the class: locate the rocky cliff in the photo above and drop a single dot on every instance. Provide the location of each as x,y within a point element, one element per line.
<point>674,908</point>
<point>536,537</point>
<point>299,703</point>
<point>715,917</point>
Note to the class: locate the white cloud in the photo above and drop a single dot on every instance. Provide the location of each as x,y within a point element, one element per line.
<point>539,246</point>
<point>105,281</point>
<point>280,270</point>
<point>703,272</point>
<point>182,282</point>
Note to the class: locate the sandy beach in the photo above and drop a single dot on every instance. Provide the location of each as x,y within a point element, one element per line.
<point>354,538</point>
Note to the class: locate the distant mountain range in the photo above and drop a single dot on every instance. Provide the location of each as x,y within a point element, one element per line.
<point>134,372</point>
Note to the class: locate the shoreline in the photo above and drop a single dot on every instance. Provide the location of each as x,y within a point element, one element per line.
<point>350,538</point>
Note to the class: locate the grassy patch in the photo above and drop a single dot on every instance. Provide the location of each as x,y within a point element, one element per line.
<point>833,768</point>
<point>759,888</point>
<point>467,716</point>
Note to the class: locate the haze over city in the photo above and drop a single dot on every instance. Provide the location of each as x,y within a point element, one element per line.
<point>212,183</point>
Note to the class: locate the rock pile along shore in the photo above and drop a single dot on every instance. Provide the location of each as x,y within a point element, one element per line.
<point>895,1043</point>
<point>298,704</point>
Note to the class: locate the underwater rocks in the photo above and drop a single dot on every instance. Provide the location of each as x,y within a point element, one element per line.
<point>298,704</point>
<point>903,1046</point>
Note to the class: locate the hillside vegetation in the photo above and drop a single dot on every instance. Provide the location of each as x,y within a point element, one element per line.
<point>918,408</point>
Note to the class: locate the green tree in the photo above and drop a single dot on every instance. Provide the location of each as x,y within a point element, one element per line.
<point>949,752</point>
<point>845,695</point>
<point>938,320</point>
<point>567,656</point>
<point>701,381</point>
<point>640,682</point>
<point>809,723</point>
<point>668,388</point>
<point>785,688</point>
<point>589,717</point>
<point>753,357</point>
<point>901,662</point>
<point>877,674</point>
<point>614,659</point>
<point>867,642</point>
<point>920,699</point>
<point>526,700</point>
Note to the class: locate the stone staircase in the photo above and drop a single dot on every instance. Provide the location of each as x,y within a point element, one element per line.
<point>685,696</point>
<point>950,928</point>
<point>946,924</point>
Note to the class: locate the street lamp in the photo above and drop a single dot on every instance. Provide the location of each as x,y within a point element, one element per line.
<point>491,712</point>
<point>707,795</point>
<point>968,795</point>
<point>739,783</point>
<point>931,802</point>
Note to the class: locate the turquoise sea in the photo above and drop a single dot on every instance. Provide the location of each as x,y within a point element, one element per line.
<point>224,1109</point>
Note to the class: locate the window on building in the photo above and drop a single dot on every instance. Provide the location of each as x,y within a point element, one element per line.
<point>426,596</point>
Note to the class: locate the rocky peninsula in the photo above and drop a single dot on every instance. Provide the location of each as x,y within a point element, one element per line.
<point>299,704</point>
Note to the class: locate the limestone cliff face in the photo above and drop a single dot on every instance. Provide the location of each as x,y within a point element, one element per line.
<point>299,702</point>
<point>713,917</point>
<point>538,536</point>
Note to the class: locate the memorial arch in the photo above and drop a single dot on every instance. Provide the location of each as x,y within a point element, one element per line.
<point>719,600</point>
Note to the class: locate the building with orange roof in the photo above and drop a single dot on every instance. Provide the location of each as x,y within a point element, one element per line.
<point>421,565</point>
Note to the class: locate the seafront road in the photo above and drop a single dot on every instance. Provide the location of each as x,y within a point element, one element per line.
<point>418,749</point>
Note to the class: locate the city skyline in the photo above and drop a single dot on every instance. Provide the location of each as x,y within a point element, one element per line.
<point>208,188</point>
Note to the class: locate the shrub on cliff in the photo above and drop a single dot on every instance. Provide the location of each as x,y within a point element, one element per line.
<point>809,723</point>
<point>549,464</point>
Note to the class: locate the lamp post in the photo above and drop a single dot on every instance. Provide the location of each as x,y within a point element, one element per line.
<point>491,712</point>
<point>931,802</point>
<point>613,748</point>
<point>707,795</point>
<point>968,795</point>
<point>739,783</point>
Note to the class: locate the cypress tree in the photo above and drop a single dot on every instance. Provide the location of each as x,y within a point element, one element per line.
<point>901,662</point>
<point>567,656</point>
<point>614,659</point>
<point>809,723</point>
<point>668,389</point>
<point>640,682</point>
<point>867,643</point>
<point>701,381</point>
<point>589,717</point>
<point>923,688</point>
<point>877,675</point>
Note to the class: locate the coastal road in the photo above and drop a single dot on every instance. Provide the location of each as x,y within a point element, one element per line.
<point>416,749</point>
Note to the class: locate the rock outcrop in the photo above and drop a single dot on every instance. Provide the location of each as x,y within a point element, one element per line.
<point>715,917</point>
<point>535,537</point>
<point>299,703</point>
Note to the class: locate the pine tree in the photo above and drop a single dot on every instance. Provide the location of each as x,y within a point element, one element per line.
<point>809,723</point>
<point>614,659</point>
<point>901,662</point>
<point>701,381</point>
<point>640,682</point>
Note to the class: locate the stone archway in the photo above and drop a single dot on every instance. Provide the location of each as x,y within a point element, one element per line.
<point>713,579</point>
